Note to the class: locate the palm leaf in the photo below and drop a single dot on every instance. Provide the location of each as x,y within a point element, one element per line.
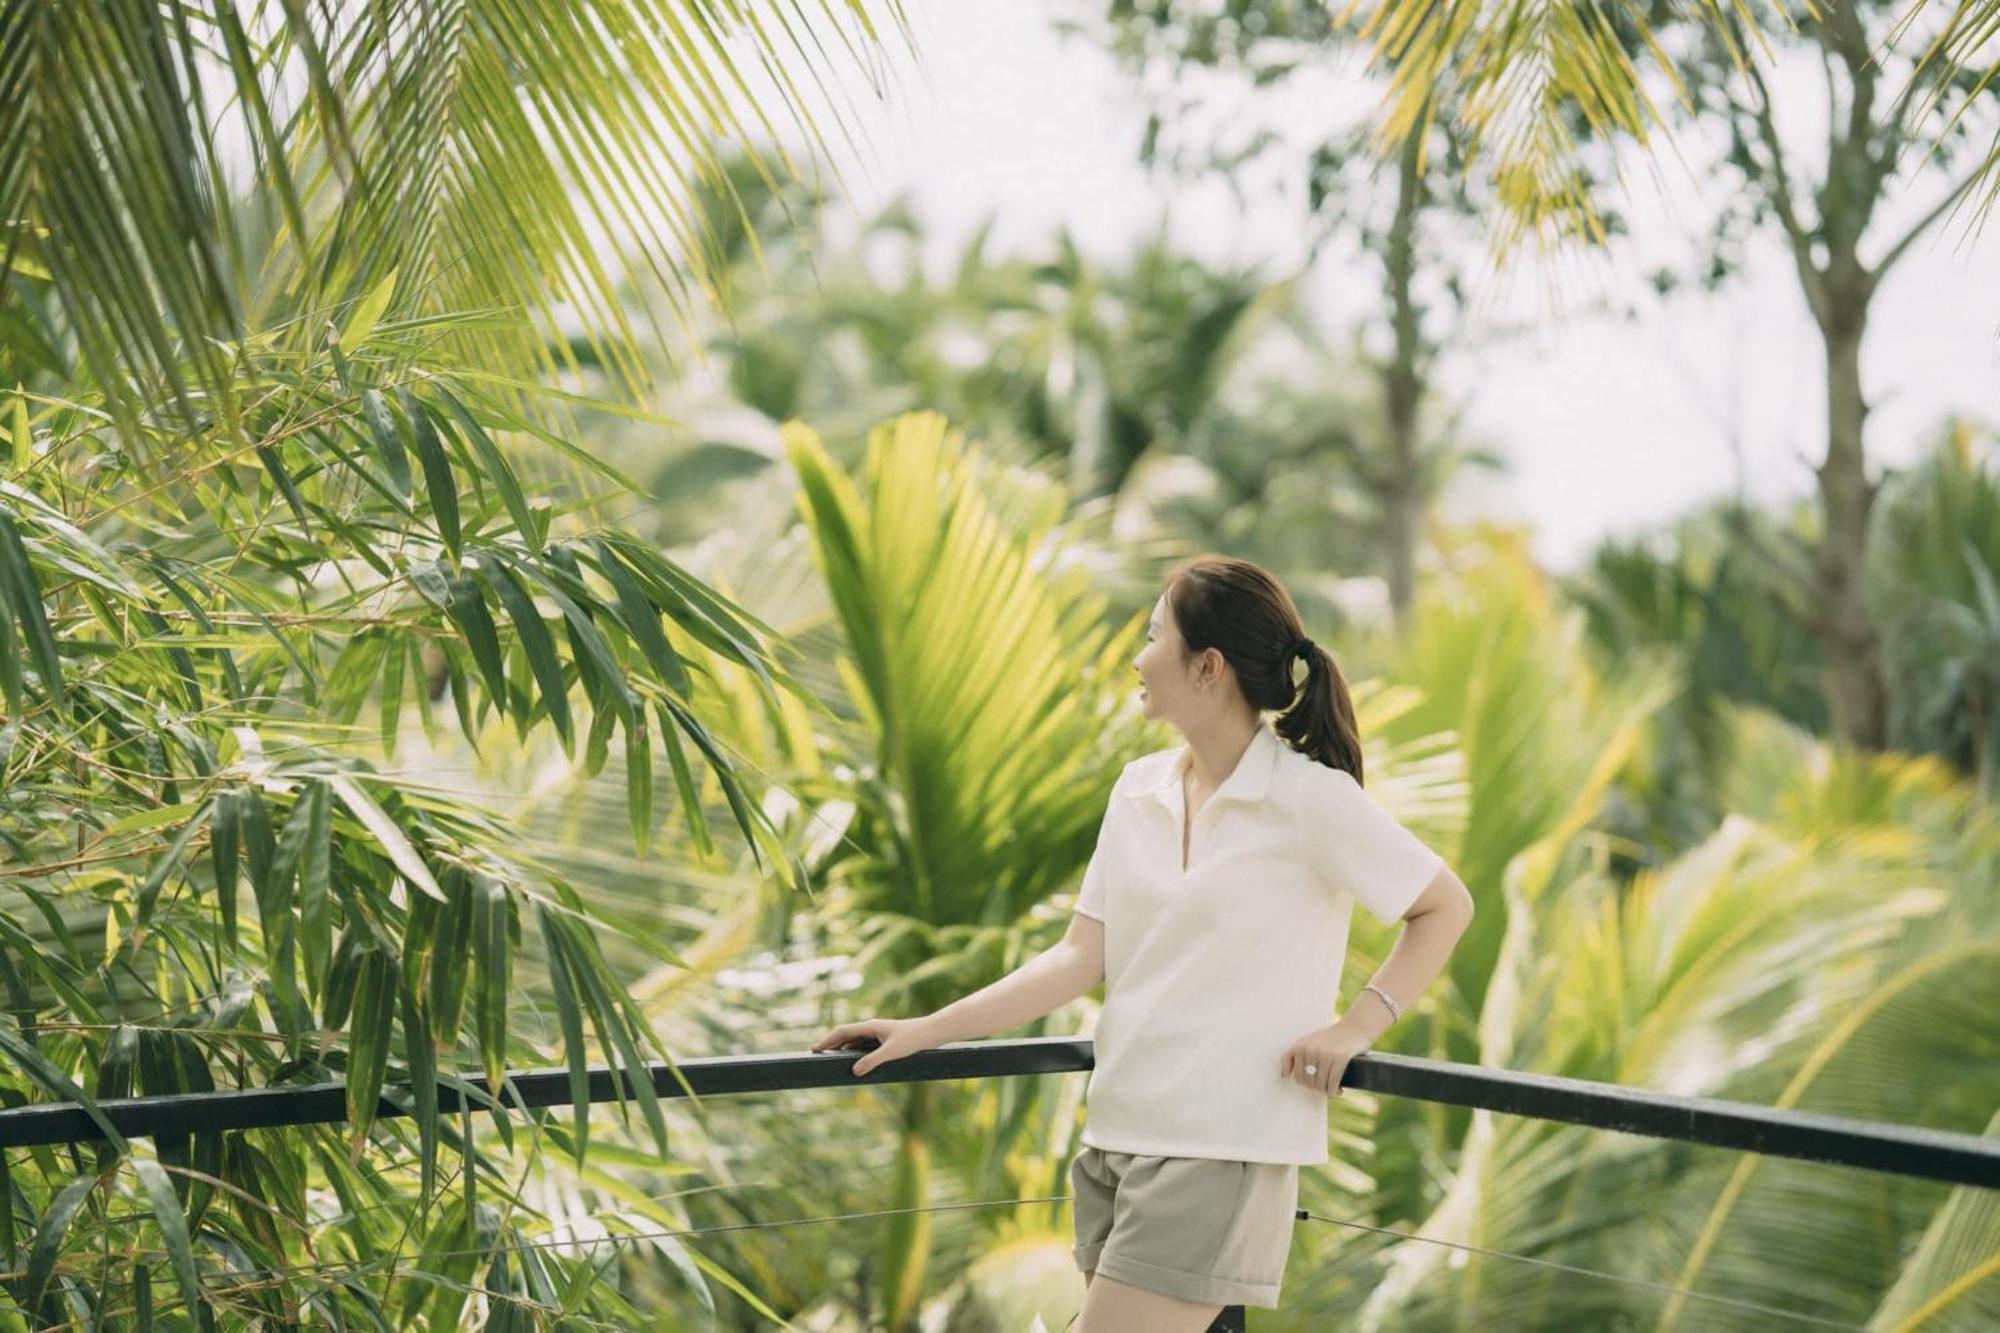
<point>447,157</point>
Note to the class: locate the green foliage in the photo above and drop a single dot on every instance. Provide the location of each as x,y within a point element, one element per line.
<point>429,160</point>
<point>193,653</point>
<point>1056,355</point>
<point>1936,578</point>
<point>982,682</point>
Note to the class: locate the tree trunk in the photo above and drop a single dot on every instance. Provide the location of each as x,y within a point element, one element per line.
<point>1838,292</point>
<point>1399,491</point>
<point>1850,644</point>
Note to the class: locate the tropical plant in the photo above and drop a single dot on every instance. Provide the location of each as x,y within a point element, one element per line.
<point>989,691</point>
<point>1400,224</point>
<point>1936,579</point>
<point>275,283</point>
<point>1536,83</point>
<point>1539,83</point>
<point>1831,217</point>
<point>1693,593</point>
<point>1829,948</point>
<point>1049,352</point>
<point>1828,945</point>
<point>186,670</point>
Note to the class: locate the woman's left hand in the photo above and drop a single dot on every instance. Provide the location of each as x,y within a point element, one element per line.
<point>1328,1050</point>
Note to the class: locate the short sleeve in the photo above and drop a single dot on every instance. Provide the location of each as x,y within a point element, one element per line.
<point>1090,898</point>
<point>1353,844</point>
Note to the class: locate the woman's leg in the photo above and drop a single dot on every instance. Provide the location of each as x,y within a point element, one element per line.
<point>1116,1307</point>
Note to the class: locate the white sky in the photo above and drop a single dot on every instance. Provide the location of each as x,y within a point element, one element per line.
<point>1609,427</point>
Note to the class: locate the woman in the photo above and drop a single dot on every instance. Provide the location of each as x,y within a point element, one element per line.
<point>1215,911</point>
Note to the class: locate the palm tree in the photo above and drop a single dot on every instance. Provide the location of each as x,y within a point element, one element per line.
<point>1536,81</point>
<point>988,689</point>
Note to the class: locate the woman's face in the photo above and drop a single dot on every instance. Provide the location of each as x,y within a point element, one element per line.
<point>1167,687</point>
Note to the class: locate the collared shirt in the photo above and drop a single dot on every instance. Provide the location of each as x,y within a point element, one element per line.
<point>1213,969</point>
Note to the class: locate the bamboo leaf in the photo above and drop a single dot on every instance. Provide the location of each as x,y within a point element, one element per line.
<point>570,1018</point>
<point>639,782</point>
<point>114,1078</point>
<point>281,477</point>
<point>355,673</point>
<point>386,834</point>
<point>492,984</point>
<point>114,1068</point>
<point>684,785</point>
<point>439,483</point>
<point>389,711</point>
<point>173,1226</point>
<point>432,580</point>
<point>259,847</point>
<point>222,846</point>
<point>168,862</point>
<point>587,645</point>
<point>315,873</point>
<point>367,312</point>
<point>533,634</point>
<point>388,440</point>
<point>468,611</point>
<point>421,1056</point>
<point>368,1039</point>
<point>451,957</point>
<point>597,984</point>
<point>343,973</point>
<point>49,1235</point>
<point>497,470</point>
<point>11,681</point>
<point>24,436</point>
<point>275,910</point>
<point>597,740</point>
<point>20,583</point>
<point>641,619</point>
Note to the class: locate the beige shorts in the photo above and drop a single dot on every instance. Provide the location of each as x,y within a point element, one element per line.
<point>1199,1228</point>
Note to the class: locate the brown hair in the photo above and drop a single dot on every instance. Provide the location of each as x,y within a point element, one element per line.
<point>1239,609</point>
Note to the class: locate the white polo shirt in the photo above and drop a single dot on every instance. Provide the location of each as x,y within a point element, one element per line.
<point>1212,972</point>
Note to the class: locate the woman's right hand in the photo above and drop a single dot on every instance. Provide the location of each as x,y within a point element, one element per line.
<point>894,1038</point>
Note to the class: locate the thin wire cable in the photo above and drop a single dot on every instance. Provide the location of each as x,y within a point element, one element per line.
<point>1690,1292</point>
<point>739,757</point>
<point>1303,1213</point>
<point>361,1265</point>
<point>355,1266</point>
<point>1404,1235</point>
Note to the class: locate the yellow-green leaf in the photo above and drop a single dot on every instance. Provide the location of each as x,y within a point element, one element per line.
<point>386,834</point>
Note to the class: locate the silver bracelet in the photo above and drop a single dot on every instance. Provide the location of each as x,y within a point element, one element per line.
<point>1395,1010</point>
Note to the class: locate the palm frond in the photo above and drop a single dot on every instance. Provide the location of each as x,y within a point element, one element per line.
<point>444,156</point>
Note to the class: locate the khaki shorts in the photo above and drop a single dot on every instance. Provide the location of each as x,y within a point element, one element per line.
<point>1199,1228</point>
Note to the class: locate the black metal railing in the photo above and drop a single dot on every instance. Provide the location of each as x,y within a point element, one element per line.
<point>1904,1150</point>
<point>1898,1149</point>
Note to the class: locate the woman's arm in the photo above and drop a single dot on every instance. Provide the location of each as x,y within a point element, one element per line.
<point>1048,981</point>
<point>1431,927</point>
<point>1051,979</point>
